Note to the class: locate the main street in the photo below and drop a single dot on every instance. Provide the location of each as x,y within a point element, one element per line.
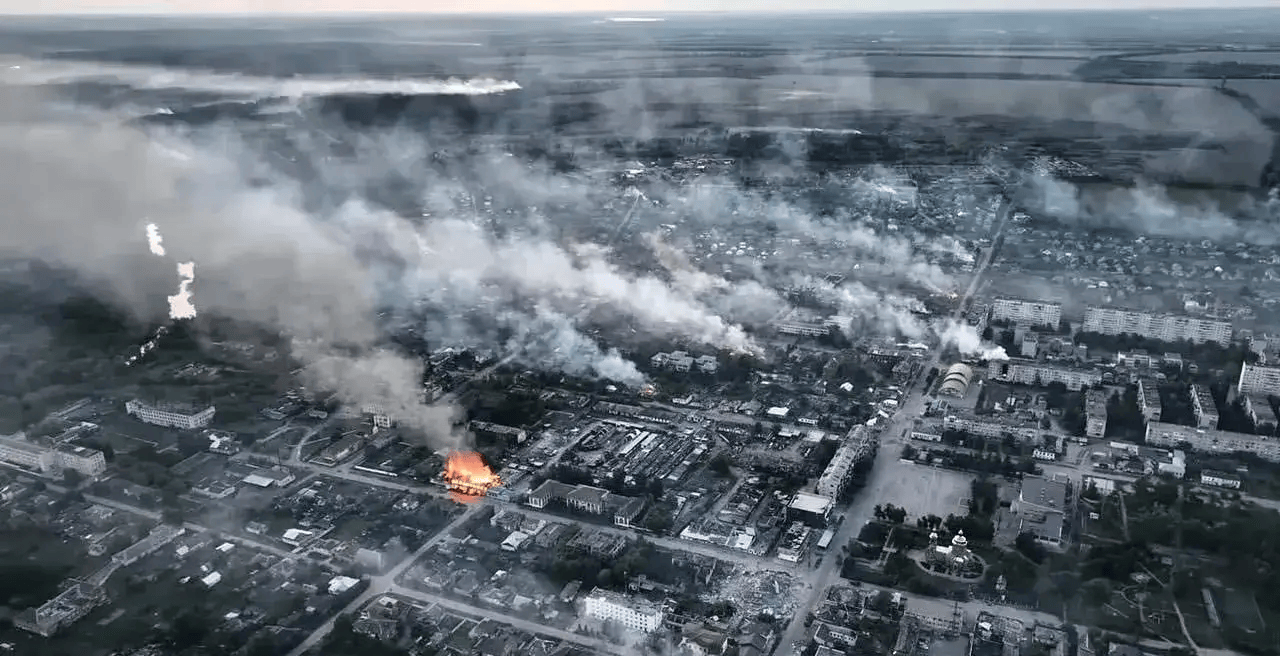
<point>881,481</point>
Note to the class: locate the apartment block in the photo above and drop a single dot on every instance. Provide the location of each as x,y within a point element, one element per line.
<point>859,445</point>
<point>1149,400</point>
<point>1212,441</point>
<point>1204,407</point>
<point>1259,380</point>
<point>1095,412</point>
<point>1031,313</point>
<point>1164,327</point>
<point>1024,372</point>
<point>993,426</point>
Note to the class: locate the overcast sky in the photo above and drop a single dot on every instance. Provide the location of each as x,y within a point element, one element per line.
<point>501,6</point>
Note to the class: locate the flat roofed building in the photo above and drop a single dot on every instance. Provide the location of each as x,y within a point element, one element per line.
<point>812,508</point>
<point>1219,479</point>
<point>631,613</point>
<point>1095,410</point>
<point>1164,327</point>
<point>1212,441</point>
<point>1149,400</point>
<point>15,449</point>
<point>1259,380</point>
<point>89,462</point>
<point>1033,313</point>
<point>1024,372</point>
<point>170,414</point>
<point>1204,407</point>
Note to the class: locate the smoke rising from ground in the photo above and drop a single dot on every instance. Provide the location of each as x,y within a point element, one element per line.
<point>1148,209</point>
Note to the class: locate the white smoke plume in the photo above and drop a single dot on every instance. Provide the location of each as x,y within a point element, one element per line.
<point>965,338</point>
<point>180,305</point>
<point>148,77</point>
<point>550,340</point>
<point>1147,208</point>
<point>154,240</point>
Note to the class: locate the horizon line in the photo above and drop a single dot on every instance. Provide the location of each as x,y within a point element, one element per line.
<point>682,13</point>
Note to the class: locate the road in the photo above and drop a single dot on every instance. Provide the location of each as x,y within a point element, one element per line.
<point>190,526</point>
<point>880,481</point>
<point>599,646</point>
<point>384,583</point>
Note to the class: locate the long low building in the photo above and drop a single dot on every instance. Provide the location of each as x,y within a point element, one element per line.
<point>173,415</point>
<point>1164,327</point>
<point>993,426</point>
<point>1212,441</point>
<point>15,449</point>
<point>1026,372</point>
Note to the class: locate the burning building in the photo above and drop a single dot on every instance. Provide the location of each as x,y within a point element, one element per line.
<point>467,474</point>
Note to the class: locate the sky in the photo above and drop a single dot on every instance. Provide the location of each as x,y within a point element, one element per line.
<point>567,6</point>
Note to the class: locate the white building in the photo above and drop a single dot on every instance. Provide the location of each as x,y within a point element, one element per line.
<point>1219,479</point>
<point>15,449</point>
<point>1031,313</point>
<point>172,415</point>
<point>1024,372</point>
<point>1212,441</point>
<point>1259,380</point>
<point>634,614</point>
<point>1164,327</point>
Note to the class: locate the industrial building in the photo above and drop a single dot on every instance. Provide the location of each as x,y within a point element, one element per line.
<point>1164,327</point>
<point>170,414</point>
<point>1026,372</point>
<point>499,432</point>
<point>957,380</point>
<point>634,614</point>
<point>1204,407</point>
<point>1212,441</point>
<point>1030,313</point>
<point>1259,380</point>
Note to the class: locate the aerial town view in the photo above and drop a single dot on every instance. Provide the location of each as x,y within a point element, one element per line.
<point>702,336</point>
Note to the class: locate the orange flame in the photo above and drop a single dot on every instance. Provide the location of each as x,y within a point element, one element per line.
<point>468,476</point>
